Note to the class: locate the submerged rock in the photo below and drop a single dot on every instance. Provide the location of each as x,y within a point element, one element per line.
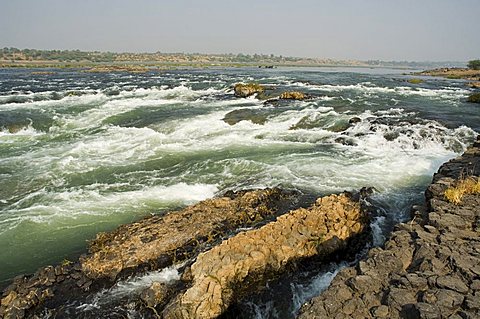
<point>254,116</point>
<point>429,268</point>
<point>245,90</point>
<point>474,98</point>
<point>245,262</point>
<point>354,120</point>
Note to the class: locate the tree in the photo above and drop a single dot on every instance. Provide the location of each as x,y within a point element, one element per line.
<point>474,64</point>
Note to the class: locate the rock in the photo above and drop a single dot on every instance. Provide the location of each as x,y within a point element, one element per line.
<point>475,84</point>
<point>157,294</point>
<point>453,283</point>
<point>474,98</point>
<point>354,120</point>
<point>254,116</point>
<point>293,95</point>
<point>246,90</point>
<point>428,268</point>
<point>427,311</point>
<point>246,261</point>
<point>380,311</point>
<point>160,240</point>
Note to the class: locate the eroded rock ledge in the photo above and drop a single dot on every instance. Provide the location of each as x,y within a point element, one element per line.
<point>429,268</point>
<point>152,243</point>
<point>245,262</point>
<point>274,237</point>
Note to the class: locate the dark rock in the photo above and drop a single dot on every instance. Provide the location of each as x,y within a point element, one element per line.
<point>427,311</point>
<point>354,120</point>
<point>474,98</point>
<point>254,116</point>
<point>157,294</point>
<point>448,299</point>
<point>429,267</point>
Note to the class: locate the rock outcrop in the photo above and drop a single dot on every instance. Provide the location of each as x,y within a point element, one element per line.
<point>248,260</point>
<point>152,243</point>
<point>248,89</point>
<point>161,240</point>
<point>430,266</point>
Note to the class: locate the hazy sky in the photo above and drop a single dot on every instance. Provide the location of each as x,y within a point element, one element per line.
<point>435,30</point>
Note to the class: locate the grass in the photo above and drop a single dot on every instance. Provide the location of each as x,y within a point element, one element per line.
<point>468,185</point>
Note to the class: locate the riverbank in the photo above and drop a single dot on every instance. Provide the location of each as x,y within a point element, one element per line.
<point>430,266</point>
<point>455,73</point>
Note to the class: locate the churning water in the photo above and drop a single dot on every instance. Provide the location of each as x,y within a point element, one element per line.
<point>84,152</point>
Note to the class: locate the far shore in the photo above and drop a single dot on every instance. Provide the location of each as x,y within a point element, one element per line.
<point>146,66</point>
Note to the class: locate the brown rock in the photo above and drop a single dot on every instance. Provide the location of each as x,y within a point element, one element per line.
<point>293,95</point>
<point>156,294</point>
<point>380,311</point>
<point>160,240</point>
<point>242,263</point>
<point>453,283</point>
<point>245,90</point>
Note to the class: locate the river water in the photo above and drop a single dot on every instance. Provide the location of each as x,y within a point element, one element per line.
<point>85,152</point>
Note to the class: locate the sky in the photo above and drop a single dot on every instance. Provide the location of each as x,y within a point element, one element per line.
<point>411,30</point>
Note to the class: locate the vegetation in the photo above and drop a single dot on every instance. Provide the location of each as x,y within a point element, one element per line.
<point>415,81</point>
<point>474,64</point>
<point>469,185</point>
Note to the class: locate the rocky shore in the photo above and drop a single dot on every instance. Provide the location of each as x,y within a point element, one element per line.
<point>430,266</point>
<point>455,73</point>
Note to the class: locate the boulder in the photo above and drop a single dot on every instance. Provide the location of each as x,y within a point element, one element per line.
<point>475,84</point>
<point>248,89</point>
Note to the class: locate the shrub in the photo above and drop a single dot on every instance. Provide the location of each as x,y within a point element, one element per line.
<point>474,64</point>
<point>469,185</point>
<point>415,81</point>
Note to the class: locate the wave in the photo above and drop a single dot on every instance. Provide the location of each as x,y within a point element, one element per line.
<point>19,132</point>
<point>369,88</point>
<point>58,207</point>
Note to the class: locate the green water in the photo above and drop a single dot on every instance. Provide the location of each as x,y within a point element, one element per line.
<point>82,153</point>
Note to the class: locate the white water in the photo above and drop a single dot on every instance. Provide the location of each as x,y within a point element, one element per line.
<point>115,151</point>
